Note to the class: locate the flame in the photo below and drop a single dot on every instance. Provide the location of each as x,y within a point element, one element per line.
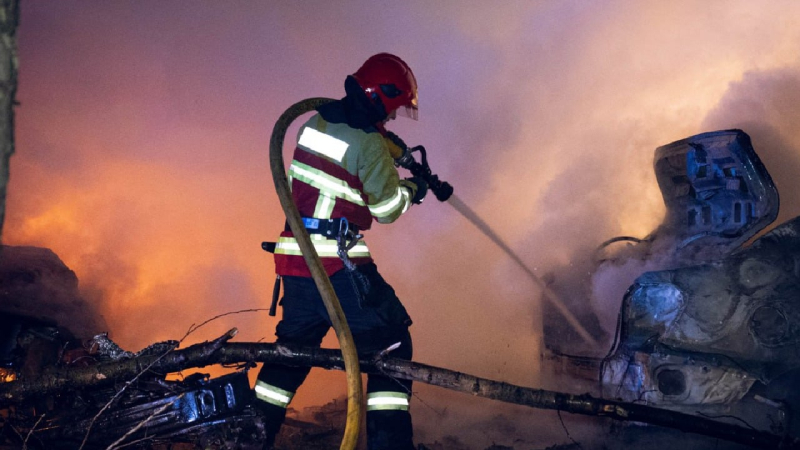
<point>7,375</point>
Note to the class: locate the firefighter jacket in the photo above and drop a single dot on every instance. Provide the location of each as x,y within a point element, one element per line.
<point>340,171</point>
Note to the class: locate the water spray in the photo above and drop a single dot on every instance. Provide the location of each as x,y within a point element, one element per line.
<point>444,192</point>
<point>547,293</point>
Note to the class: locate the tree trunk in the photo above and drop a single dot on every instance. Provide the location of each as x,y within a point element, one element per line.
<point>220,352</point>
<point>9,19</point>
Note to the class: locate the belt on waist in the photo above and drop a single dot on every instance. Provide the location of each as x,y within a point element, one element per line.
<point>329,228</point>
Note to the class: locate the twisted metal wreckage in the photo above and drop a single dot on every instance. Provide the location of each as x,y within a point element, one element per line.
<point>713,334</point>
<point>715,331</point>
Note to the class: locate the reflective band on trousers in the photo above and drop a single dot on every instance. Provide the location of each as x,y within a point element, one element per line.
<point>324,247</point>
<point>274,395</point>
<point>387,400</point>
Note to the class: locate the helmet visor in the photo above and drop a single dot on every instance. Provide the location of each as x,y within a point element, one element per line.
<point>405,103</point>
<point>408,111</point>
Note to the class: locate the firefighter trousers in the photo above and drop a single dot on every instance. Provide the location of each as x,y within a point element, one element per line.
<point>377,320</point>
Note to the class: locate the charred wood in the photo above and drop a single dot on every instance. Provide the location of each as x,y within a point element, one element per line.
<point>219,352</point>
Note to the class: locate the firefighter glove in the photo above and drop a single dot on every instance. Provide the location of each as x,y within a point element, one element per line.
<point>422,189</point>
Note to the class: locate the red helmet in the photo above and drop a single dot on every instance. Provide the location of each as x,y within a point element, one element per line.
<point>387,79</point>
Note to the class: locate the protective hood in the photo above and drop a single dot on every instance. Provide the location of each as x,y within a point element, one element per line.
<point>354,109</point>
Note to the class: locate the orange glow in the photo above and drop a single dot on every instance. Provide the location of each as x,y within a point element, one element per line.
<point>60,217</point>
<point>7,375</point>
<point>143,130</point>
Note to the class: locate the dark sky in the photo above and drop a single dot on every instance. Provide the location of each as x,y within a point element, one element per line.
<point>142,146</point>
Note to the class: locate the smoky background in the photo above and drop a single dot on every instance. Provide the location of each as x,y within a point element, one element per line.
<point>142,159</point>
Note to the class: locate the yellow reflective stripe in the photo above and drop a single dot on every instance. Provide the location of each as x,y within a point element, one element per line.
<point>406,199</point>
<point>324,247</point>
<point>332,186</point>
<point>387,400</point>
<point>385,208</point>
<point>324,208</point>
<point>323,144</point>
<point>272,394</point>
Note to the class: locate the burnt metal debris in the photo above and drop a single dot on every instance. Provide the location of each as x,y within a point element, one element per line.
<point>717,192</point>
<point>714,329</point>
<point>146,412</point>
<point>208,413</point>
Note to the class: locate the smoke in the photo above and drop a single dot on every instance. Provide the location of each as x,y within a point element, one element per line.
<point>766,105</point>
<point>143,130</point>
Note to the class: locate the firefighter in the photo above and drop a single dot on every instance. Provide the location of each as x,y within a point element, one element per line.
<point>343,176</point>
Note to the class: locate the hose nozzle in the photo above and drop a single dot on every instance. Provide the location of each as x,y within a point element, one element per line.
<point>441,189</point>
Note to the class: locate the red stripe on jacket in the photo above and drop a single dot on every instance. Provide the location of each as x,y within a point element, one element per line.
<point>305,197</point>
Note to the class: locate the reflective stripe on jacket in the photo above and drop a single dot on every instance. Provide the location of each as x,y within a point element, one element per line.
<point>339,171</point>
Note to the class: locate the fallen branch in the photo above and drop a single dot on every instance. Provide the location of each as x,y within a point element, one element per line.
<point>205,354</point>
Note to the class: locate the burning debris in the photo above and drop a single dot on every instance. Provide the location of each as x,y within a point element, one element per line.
<point>146,412</point>
<point>712,329</point>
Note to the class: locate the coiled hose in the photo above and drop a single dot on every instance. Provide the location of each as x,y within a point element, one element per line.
<point>354,391</point>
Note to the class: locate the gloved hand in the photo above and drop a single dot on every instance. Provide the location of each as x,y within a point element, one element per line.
<point>422,189</point>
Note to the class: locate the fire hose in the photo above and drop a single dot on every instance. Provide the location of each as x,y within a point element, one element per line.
<point>355,395</point>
